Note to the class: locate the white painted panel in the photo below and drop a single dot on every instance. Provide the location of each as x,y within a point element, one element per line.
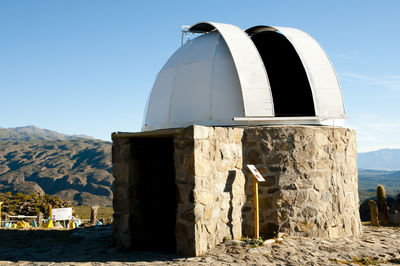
<point>334,122</point>
<point>191,97</point>
<point>203,49</point>
<point>320,72</point>
<point>222,51</point>
<point>226,94</point>
<point>250,69</point>
<point>177,58</point>
<point>158,106</point>
<point>226,98</point>
<point>330,99</point>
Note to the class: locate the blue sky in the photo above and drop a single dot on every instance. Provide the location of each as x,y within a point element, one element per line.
<point>87,67</point>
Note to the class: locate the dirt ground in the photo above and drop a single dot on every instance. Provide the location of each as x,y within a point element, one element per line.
<point>93,246</point>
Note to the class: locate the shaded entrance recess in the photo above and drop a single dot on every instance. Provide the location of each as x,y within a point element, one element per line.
<point>153,195</point>
<point>290,88</point>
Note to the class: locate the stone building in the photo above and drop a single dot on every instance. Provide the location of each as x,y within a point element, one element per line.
<point>222,101</point>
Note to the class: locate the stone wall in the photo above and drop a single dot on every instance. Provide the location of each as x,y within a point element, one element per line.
<point>208,163</point>
<point>121,159</point>
<point>219,193</point>
<point>185,182</point>
<point>310,187</point>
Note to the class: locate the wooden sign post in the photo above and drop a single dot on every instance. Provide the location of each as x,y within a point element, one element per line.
<point>256,210</point>
<point>257,177</point>
<point>1,203</point>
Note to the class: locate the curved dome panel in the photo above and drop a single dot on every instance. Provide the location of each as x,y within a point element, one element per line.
<point>321,74</point>
<point>257,97</point>
<point>220,78</point>
<point>290,87</point>
<point>327,95</point>
<point>198,85</point>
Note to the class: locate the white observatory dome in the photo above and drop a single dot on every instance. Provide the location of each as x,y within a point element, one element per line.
<point>226,76</point>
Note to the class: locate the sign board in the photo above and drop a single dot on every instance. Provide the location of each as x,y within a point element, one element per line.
<point>62,214</point>
<point>255,172</point>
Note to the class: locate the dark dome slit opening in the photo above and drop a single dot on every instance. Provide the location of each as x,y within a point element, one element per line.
<point>290,87</point>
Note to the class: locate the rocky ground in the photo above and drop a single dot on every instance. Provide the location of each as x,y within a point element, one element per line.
<point>92,246</point>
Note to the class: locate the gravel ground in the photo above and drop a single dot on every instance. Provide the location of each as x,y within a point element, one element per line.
<point>92,246</point>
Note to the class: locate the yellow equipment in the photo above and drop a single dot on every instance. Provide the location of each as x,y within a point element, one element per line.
<point>49,224</point>
<point>20,224</point>
<point>71,224</point>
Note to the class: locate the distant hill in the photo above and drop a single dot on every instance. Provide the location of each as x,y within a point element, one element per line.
<point>369,179</point>
<point>75,168</point>
<point>35,133</point>
<point>378,167</point>
<point>385,159</point>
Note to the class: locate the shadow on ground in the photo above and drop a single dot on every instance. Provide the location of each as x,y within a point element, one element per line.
<point>93,244</point>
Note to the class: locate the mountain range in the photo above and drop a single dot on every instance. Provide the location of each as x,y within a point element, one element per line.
<point>384,159</point>
<point>378,167</point>
<point>75,168</point>
<point>78,168</point>
<point>369,179</point>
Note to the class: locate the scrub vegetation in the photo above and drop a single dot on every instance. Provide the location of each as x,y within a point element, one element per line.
<point>74,168</point>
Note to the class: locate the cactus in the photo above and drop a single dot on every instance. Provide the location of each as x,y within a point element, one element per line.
<point>382,206</point>
<point>380,193</point>
<point>373,210</point>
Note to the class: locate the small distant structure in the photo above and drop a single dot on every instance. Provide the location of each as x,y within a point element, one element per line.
<point>225,99</point>
<point>93,214</point>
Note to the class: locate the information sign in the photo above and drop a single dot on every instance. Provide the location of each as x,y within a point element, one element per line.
<point>255,172</point>
<point>60,214</point>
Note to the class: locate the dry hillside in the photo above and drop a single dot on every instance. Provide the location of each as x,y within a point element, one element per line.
<point>74,168</point>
